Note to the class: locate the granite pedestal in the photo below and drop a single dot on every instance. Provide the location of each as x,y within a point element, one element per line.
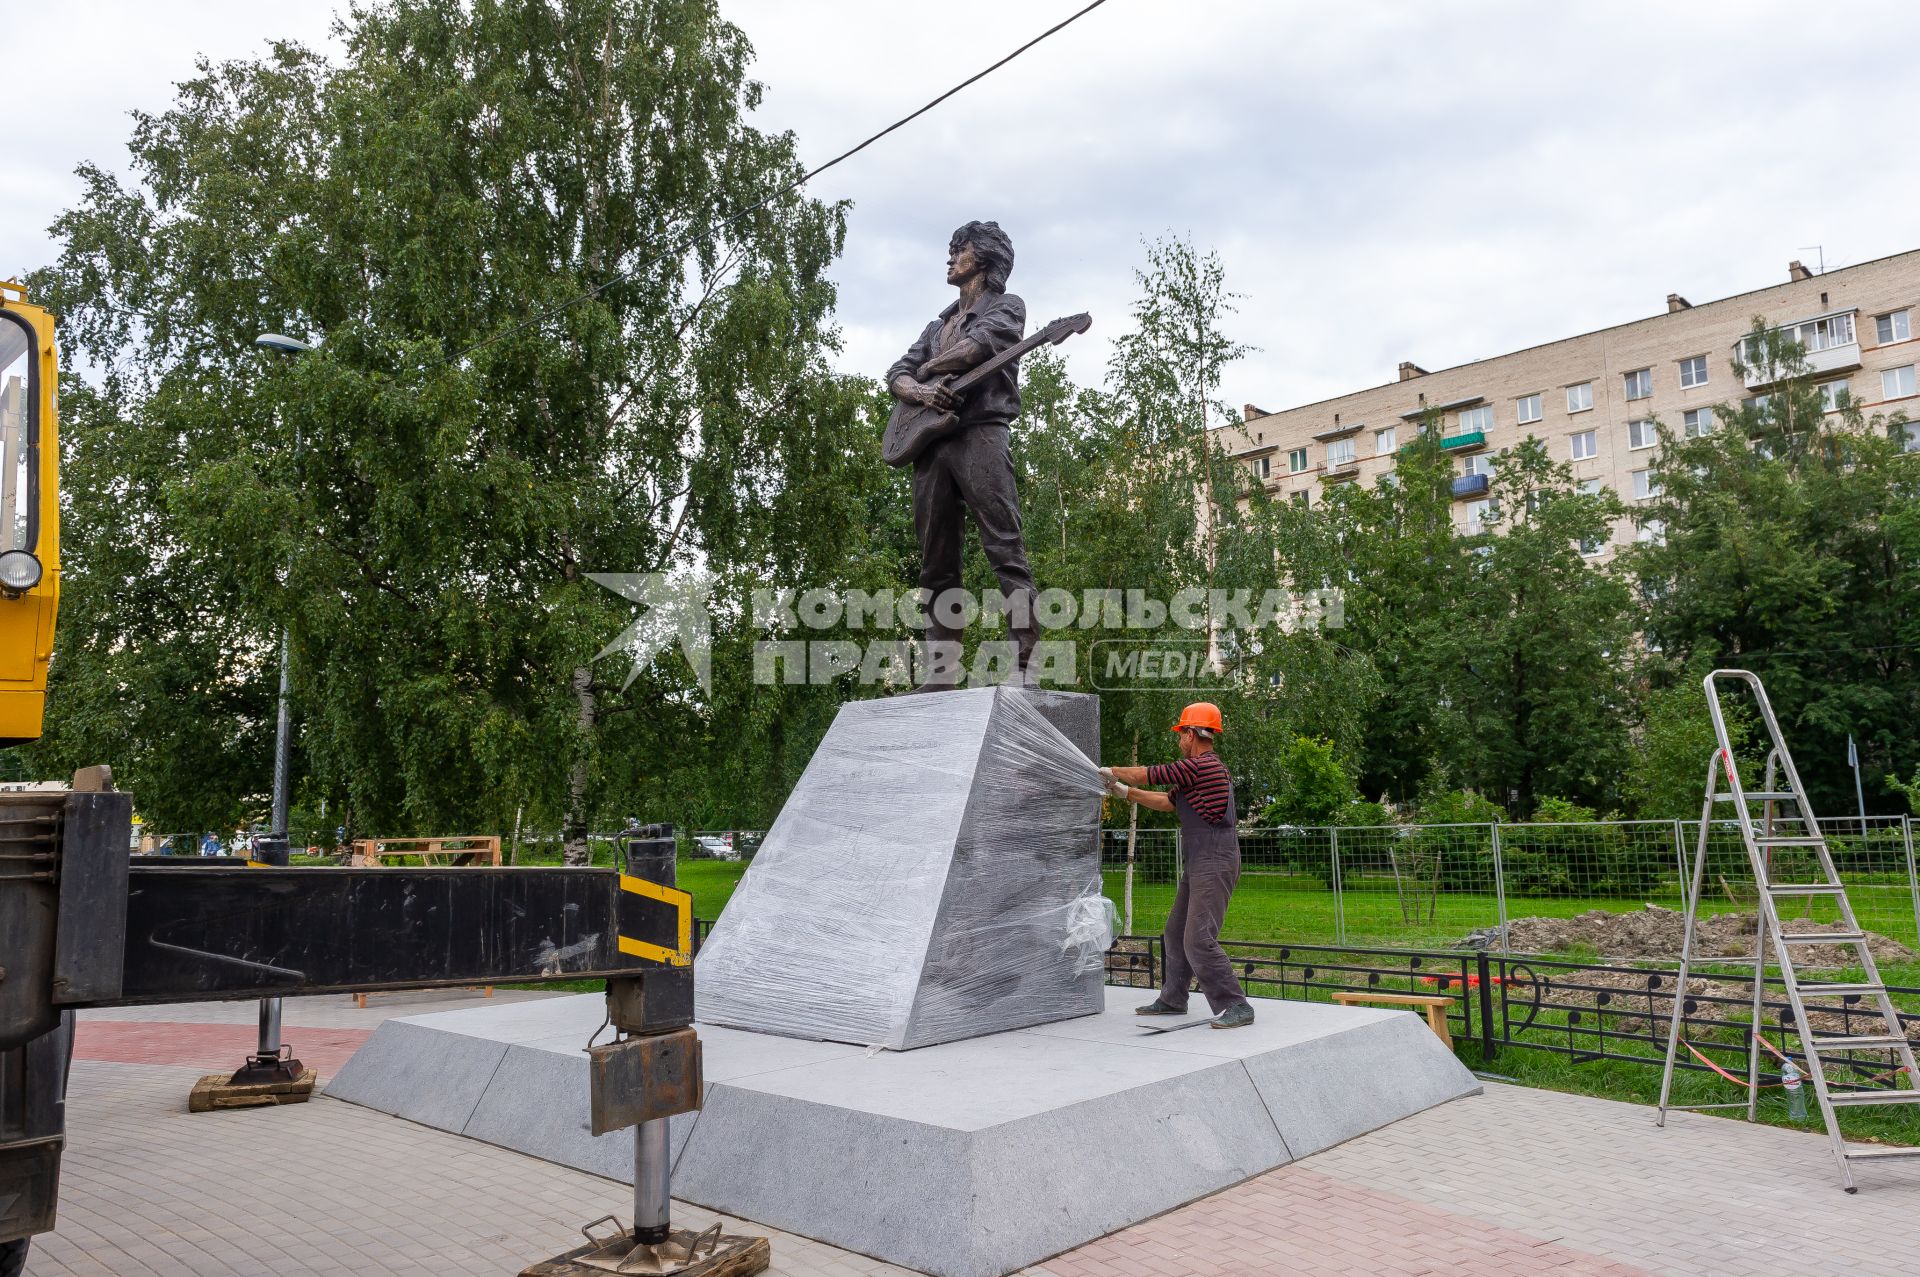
<point>971,1158</point>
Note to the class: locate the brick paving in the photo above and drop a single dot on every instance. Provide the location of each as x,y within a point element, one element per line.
<point>1529,1181</point>
<point>1517,1181</point>
<point>321,1189</point>
<point>1300,1221</point>
<point>207,1046</point>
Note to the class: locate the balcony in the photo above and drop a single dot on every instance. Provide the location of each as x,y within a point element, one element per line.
<point>1830,342</point>
<point>1468,441</point>
<point>1338,471</point>
<point>1467,486</point>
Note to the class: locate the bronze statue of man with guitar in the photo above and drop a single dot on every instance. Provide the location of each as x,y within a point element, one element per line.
<point>958,390</point>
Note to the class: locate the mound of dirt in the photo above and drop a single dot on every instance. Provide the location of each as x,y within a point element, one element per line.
<point>1654,932</point>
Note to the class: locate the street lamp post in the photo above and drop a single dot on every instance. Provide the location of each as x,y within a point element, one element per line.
<point>267,1053</point>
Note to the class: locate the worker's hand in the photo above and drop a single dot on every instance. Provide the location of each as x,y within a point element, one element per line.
<point>1106,774</point>
<point>1117,789</point>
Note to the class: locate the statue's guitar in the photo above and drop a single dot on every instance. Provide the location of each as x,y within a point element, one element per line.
<point>914,428</point>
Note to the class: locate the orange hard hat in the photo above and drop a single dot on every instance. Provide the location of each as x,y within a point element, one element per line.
<point>1200,714</point>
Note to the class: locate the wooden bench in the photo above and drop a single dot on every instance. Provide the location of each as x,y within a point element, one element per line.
<point>468,849</point>
<point>1435,1005</point>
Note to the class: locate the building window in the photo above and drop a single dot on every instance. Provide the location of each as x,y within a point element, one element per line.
<point>1641,434</point>
<point>1340,452</point>
<point>1586,445</point>
<point>1472,419</point>
<point>1263,467</point>
<point>1580,397</point>
<point>1383,442</point>
<point>1834,395</point>
<point>1896,383</point>
<point>1639,384</point>
<point>1646,485</point>
<point>1693,372</point>
<point>1909,436</point>
<point>1895,327</point>
<point>1696,422</point>
<point>1652,532</point>
<point>1479,514</point>
<point>1814,335</point>
<point>1300,498</point>
<point>1593,546</point>
<point>1529,409</point>
<point>1296,461</point>
<point>1591,487</point>
<point>1482,464</point>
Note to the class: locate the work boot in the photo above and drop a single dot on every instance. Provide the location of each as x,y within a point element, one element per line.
<point>1157,1007</point>
<point>1237,1016</point>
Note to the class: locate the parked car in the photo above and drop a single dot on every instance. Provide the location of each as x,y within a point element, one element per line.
<point>716,846</point>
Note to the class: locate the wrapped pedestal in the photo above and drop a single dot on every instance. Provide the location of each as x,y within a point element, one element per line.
<point>935,875</point>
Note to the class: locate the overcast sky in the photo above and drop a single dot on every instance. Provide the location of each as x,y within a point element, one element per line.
<point>1384,180</point>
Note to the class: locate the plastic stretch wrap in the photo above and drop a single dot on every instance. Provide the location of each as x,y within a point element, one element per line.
<point>935,875</point>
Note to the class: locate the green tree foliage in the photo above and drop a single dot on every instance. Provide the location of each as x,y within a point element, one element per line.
<point>1498,654</point>
<point>1789,544</point>
<point>422,497</point>
<point>1114,488</point>
<point>1673,741</point>
<point>1543,642</point>
<point>1314,786</point>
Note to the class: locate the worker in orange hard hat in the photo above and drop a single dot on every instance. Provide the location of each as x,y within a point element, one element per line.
<point>1200,794</point>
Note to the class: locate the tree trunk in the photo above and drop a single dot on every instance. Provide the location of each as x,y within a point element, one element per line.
<point>1133,837</point>
<point>574,849</point>
<point>1209,545</point>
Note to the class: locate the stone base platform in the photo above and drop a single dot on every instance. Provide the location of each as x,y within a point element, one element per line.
<point>968,1159</point>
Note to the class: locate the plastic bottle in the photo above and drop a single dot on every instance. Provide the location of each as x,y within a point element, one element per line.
<point>1796,1093</point>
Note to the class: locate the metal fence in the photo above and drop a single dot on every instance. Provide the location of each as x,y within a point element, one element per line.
<point>1585,1011</point>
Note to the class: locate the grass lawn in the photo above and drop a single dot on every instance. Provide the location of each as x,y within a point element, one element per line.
<point>1301,910</point>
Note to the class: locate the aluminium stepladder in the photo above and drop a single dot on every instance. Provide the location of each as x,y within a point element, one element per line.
<point>1794,828</point>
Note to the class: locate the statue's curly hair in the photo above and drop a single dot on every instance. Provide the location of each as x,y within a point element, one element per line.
<point>991,246</point>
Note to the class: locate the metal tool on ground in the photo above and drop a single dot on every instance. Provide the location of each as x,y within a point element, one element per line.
<point>1786,820</point>
<point>1175,1028</point>
<point>647,1075</point>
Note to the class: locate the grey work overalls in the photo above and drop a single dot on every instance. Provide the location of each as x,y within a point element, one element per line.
<point>1192,938</point>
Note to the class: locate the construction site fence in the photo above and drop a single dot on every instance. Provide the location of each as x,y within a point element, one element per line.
<point>1464,884</point>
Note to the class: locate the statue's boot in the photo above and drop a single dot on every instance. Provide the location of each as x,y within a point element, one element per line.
<point>1024,675</point>
<point>941,669</point>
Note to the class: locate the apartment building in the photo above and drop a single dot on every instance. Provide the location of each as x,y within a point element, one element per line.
<point>1593,398</point>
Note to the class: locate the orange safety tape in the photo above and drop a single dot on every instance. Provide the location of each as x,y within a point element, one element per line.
<point>1723,1073</point>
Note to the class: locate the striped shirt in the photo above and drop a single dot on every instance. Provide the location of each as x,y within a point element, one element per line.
<point>1202,778</point>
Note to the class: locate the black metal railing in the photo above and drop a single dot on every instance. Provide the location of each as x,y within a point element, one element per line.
<point>1582,1010</point>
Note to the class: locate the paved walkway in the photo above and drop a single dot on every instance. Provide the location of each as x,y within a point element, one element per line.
<point>1516,1181</point>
